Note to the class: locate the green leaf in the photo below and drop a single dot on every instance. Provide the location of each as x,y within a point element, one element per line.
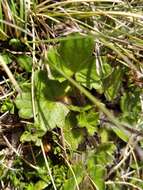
<point>106,68</point>
<point>104,153</point>
<point>40,185</point>
<point>70,183</point>
<point>29,136</point>
<point>50,113</point>
<point>88,77</point>
<point>7,106</point>
<point>89,120</point>
<point>104,134</point>
<point>121,134</point>
<point>15,42</point>
<point>97,174</point>
<point>131,106</point>
<point>49,89</point>
<point>112,84</point>
<point>76,53</point>
<point>30,187</point>
<point>54,58</point>
<point>80,109</point>
<point>24,104</point>
<point>25,62</point>
<point>96,171</point>
<point>6,58</point>
<point>72,134</point>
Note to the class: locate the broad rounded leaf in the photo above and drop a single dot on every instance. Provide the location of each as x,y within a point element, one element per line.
<point>25,62</point>
<point>50,114</point>
<point>88,77</point>
<point>24,104</point>
<point>76,53</point>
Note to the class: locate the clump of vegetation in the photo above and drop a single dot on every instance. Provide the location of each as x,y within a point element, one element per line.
<point>71,95</point>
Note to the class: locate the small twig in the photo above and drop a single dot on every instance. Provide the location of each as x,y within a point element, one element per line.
<point>9,74</point>
<point>4,115</point>
<point>17,153</point>
<point>4,81</point>
<point>63,143</point>
<point>129,130</point>
<point>133,178</point>
<point>93,183</point>
<point>47,165</point>
<point>126,155</point>
<point>18,52</point>
<point>128,174</point>
<point>32,152</point>
<point>122,183</point>
<point>33,70</point>
<point>16,27</point>
<point>73,173</point>
<point>135,159</point>
<point>6,95</point>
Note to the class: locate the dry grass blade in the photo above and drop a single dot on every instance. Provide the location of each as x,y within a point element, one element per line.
<point>9,74</point>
